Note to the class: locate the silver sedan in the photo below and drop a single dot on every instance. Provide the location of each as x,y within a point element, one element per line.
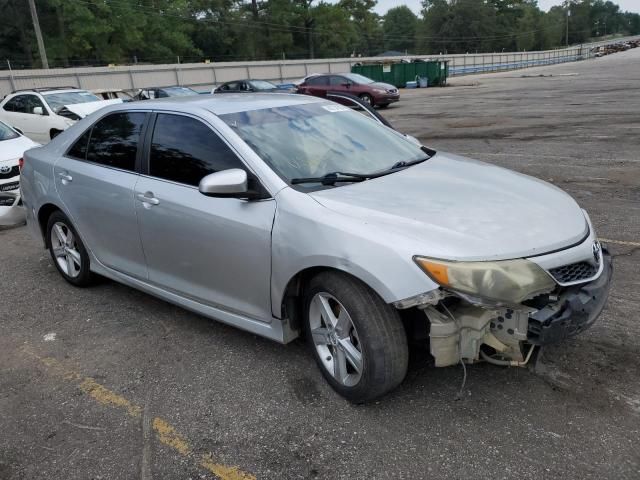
<point>290,215</point>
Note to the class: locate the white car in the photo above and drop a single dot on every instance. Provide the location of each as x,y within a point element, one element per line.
<point>12,146</point>
<point>41,114</point>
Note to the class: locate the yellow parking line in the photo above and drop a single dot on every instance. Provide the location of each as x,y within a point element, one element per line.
<point>620,242</point>
<point>165,432</point>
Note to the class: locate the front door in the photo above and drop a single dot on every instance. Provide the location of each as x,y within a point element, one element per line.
<point>213,250</point>
<point>96,180</point>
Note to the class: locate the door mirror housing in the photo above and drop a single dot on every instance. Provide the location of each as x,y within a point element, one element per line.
<point>347,84</point>
<point>225,183</point>
<point>38,111</point>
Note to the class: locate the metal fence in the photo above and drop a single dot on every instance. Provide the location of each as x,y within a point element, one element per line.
<point>205,75</point>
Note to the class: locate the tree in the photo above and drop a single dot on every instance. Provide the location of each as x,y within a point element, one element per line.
<point>399,26</point>
<point>367,25</point>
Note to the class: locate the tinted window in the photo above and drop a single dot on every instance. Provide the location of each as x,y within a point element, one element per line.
<point>318,81</point>
<point>337,81</point>
<point>185,150</point>
<point>114,140</point>
<point>79,149</point>
<point>230,86</point>
<point>17,104</point>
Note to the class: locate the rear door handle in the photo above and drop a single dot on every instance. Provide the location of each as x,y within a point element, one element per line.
<point>148,198</point>
<point>65,177</point>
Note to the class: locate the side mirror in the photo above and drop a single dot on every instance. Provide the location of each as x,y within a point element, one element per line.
<point>38,111</point>
<point>347,84</point>
<point>232,183</point>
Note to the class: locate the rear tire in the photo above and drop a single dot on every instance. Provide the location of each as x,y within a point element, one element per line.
<point>67,251</point>
<point>358,341</point>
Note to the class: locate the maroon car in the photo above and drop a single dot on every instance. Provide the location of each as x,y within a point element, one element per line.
<point>374,93</point>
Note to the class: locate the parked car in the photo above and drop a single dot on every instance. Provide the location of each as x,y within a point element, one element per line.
<point>284,214</point>
<point>164,92</point>
<point>42,113</point>
<point>374,93</point>
<point>244,86</point>
<point>12,146</point>
<point>112,93</point>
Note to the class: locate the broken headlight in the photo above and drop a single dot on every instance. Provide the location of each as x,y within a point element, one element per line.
<point>510,281</point>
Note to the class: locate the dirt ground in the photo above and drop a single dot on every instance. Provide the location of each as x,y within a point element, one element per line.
<point>110,383</point>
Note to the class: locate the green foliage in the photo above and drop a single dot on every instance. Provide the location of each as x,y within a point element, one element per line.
<point>399,26</point>
<point>97,32</point>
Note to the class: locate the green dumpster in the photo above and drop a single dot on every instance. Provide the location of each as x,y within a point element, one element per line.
<point>399,73</point>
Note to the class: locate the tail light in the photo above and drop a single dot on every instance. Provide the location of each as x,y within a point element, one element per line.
<point>20,163</point>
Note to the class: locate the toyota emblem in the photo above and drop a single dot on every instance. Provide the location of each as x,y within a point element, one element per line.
<point>596,251</point>
<point>5,169</point>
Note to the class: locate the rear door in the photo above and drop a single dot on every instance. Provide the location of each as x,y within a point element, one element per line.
<point>213,250</point>
<point>95,180</point>
<point>317,86</point>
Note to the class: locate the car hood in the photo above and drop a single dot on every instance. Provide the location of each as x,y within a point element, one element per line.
<point>460,209</point>
<point>11,150</point>
<point>84,109</point>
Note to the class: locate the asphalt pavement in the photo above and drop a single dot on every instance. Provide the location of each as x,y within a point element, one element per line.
<point>110,383</point>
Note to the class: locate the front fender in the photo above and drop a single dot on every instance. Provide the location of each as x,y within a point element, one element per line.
<point>306,235</point>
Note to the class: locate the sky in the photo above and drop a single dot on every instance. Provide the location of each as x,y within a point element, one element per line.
<point>415,5</point>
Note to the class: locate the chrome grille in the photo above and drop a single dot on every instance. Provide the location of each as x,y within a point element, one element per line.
<point>574,272</point>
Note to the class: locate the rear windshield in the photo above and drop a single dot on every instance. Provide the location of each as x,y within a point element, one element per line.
<point>58,100</point>
<point>7,133</point>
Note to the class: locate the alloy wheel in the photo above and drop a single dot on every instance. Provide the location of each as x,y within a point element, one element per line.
<point>65,249</point>
<point>336,339</point>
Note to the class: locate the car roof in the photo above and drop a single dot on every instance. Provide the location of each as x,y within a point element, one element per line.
<point>223,104</point>
<point>45,91</point>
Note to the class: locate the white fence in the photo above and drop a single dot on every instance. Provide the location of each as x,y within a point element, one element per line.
<point>204,75</point>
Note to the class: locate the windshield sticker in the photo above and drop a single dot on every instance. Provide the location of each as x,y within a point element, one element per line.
<point>336,108</point>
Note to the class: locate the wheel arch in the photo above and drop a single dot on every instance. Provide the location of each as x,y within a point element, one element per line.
<point>44,212</point>
<point>288,303</point>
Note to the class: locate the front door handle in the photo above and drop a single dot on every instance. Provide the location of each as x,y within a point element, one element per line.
<point>148,198</point>
<point>65,177</point>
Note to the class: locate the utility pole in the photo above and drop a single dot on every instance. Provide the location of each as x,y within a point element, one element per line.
<point>36,27</point>
<point>567,31</point>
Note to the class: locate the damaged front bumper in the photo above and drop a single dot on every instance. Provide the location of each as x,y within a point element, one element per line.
<point>576,309</point>
<point>460,327</point>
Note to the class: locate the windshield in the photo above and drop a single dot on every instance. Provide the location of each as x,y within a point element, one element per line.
<point>58,100</point>
<point>315,139</point>
<point>262,85</point>
<point>354,77</point>
<point>179,91</point>
<point>7,133</point>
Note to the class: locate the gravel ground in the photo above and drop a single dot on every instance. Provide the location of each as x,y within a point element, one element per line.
<point>110,383</point>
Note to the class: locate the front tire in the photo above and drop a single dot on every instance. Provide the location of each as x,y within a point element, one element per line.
<point>357,340</point>
<point>368,99</point>
<point>67,250</point>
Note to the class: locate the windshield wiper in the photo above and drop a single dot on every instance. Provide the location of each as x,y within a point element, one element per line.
<point>335,177</point>
<point>405,164</point>
<point>332,178</point>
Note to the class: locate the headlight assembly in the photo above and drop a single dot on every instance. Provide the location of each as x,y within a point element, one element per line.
<point>511,281</point>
